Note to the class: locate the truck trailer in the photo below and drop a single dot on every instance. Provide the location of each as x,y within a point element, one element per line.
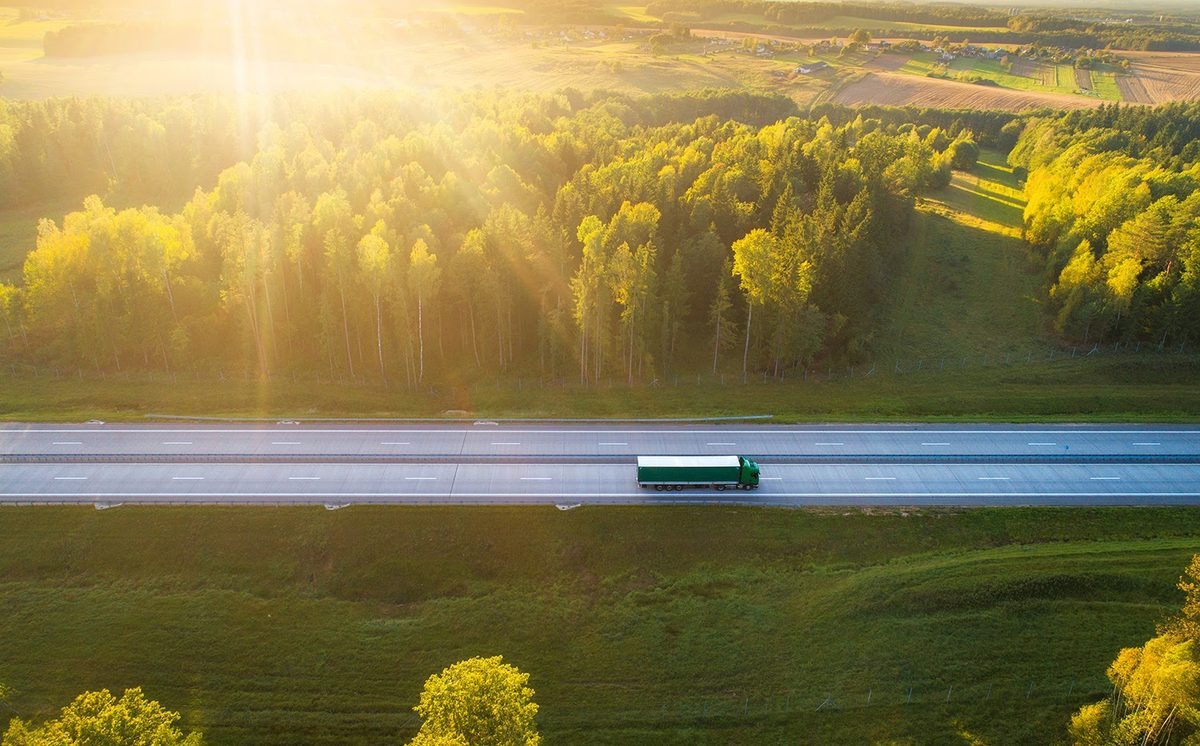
<point>677,472</point>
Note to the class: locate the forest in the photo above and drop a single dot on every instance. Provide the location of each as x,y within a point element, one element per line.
<point>1114,214</point>
<point>385,236</point>
<point>595,237</point>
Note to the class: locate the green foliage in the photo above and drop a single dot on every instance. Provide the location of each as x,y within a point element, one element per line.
<point>1114,209</point>
<point>100,719</point>
<point>964,153</point>
<point>1155,699</point>
<point>306,626</point>
<point>351,241</point>
<point>479,701</point>
<point>1156,687</point>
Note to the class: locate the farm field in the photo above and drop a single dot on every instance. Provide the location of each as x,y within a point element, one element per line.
<point>622,65</point>
<point>636,625</point>
<point>902,89</point>
<point>1158,78</point>
<point>876,24</point>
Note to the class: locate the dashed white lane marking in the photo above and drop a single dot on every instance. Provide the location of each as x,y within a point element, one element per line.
<point>285,442</point>
<point>995,479</point>
<point>1108,478</point>
<point>68,442</point>
<point>935,444</point>
<point>721,444</point>
<point>187,478</point>
<point>297,479</point>
<point>769,479</point>
<point>829,444</point>
<point>1041,444</point>
<point>613,444</point>
<point>878,479</point>
<point>177,442</point>
<point>506,443</point>
<point>1147,444</point>
<point>536,479</point>
<point>395,443</point>
<point>421,479</point>
<point>71,478</point>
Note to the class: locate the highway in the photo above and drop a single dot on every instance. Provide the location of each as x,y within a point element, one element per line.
<point>572,464</point>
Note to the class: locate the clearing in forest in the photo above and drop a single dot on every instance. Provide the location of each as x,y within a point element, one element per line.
<point>966,288</point>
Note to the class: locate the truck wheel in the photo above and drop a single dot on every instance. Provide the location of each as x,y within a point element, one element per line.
<point>658,488</point>
<point>679,488</point>
<point>720,488</point>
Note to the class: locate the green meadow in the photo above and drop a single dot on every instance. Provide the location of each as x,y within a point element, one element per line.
<point>637,625</point>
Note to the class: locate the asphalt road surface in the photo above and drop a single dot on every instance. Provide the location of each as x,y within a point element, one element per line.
<point>572,464</point>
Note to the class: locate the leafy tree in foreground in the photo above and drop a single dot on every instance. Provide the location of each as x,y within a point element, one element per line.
<point>100,719</point>
<point>1156,687</point>
<point>480,702</point>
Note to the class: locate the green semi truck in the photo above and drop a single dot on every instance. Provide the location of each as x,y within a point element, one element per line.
<point>677,472</point>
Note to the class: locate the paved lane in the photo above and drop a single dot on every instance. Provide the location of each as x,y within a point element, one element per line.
<point>576,464</point>
<point>841,484</point>
<point>604,440</point>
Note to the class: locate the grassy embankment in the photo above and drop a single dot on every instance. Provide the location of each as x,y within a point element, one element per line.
<point>637,625</point>
<point>967,292</point>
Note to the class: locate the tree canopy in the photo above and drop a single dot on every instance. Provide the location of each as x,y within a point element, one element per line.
<point>372,235</point>
<point>1156,687</point>
<point>478,702</point>
<point>101,719</point>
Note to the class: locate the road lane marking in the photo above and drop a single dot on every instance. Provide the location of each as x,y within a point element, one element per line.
<point>640,497</point>
<point>600,431</point>
<point>72,478</point>
<point>613,444</point>
<point>935,444</point>
<point>296,479</point>
<point>769,479</point>
<point>187,478</point>
<point>536,479</point>
<point>68,442</point>
<point>394,443</point>
<point>877,479</point>
<point>1041,444</point>
<point>1108,478</point>
<point>721,444</point>
<point>505,443</point>
<point>285,442</point>
<point>995,479</point>
<point>413,479</point>
<point>829,444</point>
<point>1147,444</point>
<point>177,442</point>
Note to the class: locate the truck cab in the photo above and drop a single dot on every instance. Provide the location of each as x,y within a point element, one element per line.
<point>750,472</point>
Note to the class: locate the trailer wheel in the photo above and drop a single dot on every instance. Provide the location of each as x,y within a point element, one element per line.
<point>679,488</point>
<point>658,488</point>
<point>720,488</point>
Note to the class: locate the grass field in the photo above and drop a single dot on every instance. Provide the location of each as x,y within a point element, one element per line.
<point>967,289</point>
<point>1104,388</point>
<point>664,626</point>
<point>1105,85</point>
